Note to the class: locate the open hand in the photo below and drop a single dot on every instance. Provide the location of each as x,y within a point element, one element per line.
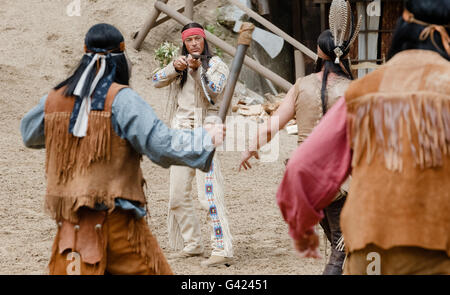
<point>245,156</point>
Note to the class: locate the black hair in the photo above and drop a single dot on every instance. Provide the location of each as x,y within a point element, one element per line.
<point>206,55</point>
<point>406,35</point>
<point>99,38</point>
<point>326,44</point>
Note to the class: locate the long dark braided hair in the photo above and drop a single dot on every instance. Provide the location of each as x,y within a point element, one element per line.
<point>206,55</point>
<point>326,44</point>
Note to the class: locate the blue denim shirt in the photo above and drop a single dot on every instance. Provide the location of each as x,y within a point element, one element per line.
<point>134,120</point>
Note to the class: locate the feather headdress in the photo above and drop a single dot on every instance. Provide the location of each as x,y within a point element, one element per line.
<point>342,27</point>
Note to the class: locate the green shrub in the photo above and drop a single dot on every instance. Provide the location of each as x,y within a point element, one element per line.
<point>211,29</point>
<point>165,53</point>
<point>219,52</point>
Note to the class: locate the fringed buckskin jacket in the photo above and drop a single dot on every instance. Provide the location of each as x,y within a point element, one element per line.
<point>214,83</point>
<point>76,167</point>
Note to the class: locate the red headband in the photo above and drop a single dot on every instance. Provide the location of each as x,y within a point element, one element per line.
<point>192,31</point>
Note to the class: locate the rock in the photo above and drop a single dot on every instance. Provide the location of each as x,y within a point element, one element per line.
<point>292,130</point>
<point>271,107</point>
<point>291,127</point>
<point>229,14</point>
<point>248,100</point>
<point>240,90</point>
<point>253,110</point>
<point>274,98</point>
<point>248,103</point>
<point>247,96</point>
<point>254,98</point>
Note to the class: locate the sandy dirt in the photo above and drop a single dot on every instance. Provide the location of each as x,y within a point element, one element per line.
<point>40,46</point>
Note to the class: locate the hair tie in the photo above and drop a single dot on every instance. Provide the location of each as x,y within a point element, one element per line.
<point>322,54</point>
<point>428,31</point>
<point>339,53</point>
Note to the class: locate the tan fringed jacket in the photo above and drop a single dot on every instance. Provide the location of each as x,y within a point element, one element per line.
<point>399,127</point>
<point>182,102</point>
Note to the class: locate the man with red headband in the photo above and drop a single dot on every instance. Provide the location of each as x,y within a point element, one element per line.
<point>198,79</point>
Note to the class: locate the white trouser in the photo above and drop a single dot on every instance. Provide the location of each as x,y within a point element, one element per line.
<point>183,224</point>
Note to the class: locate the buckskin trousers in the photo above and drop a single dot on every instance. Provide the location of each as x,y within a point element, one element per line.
<point>183,223</point>
<point>106,243</point>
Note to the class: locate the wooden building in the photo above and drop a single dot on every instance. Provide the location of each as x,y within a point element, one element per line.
<point>306,19</point>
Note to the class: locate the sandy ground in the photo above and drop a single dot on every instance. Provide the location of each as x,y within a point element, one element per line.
<point>40,45</point>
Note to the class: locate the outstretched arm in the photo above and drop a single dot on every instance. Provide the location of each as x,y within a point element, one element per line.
<point>134,120</point>
<point>266,132</point>
<point>314,174</point>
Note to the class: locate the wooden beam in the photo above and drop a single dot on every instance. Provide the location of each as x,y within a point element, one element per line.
<point>322,17</point>
<point>149,24</point>
<point>263,7</point>
<point>189,9</point>
<point>299,64</point>
<point>181,10</point>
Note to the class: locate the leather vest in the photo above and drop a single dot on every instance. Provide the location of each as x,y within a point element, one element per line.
<point>91,170</point>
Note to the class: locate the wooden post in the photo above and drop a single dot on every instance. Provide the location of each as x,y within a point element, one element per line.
<point>322,17</point>
<point>299,64</point>
<point>181,10</point>
<point>251,63</point>
<point>149,24</point>
<point>263,7</point>
<point>275,29</point>
<point>245,38</point>
<point>189,9</point>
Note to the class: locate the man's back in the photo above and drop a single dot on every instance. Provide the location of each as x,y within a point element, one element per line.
<point>399,123</point>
